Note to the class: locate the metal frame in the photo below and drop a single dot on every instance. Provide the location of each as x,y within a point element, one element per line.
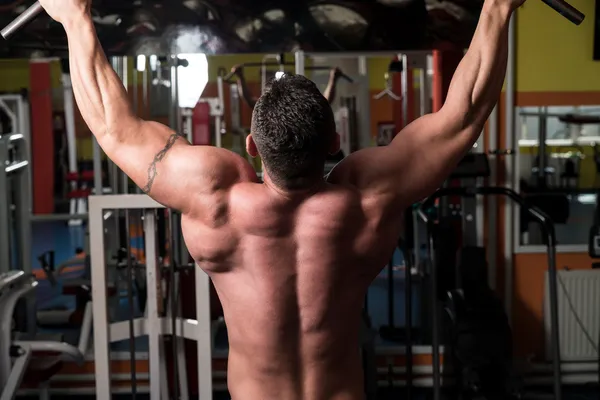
<point>152,325</point>
<point>516,226</point>
<point>16,174</point>
<point>16,285</point>
<point>19,285</point>
<point>509,132</point>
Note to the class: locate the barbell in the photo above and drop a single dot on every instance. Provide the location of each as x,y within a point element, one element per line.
<point>560,6</point>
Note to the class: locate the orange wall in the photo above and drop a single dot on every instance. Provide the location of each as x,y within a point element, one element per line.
<point>529,269</point>
<point>528,291</point>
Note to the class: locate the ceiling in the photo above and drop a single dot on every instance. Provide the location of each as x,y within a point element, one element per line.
<point>254,26</point>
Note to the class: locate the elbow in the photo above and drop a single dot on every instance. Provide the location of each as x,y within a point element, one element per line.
<point>123,128</point>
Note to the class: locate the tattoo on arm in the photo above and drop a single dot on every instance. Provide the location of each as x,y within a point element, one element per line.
<point>152,173</point>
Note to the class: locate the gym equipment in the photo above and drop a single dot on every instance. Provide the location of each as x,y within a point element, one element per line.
<point>481,337</point>
<point>548,229</point>
<point>153,324</point>
<point>566,10</point>
<point>388,90</point>
<point>284,64</point>
<point>594,241</point>
<point>594,233</point>
<point>38,370</point>
<point>27,16</point>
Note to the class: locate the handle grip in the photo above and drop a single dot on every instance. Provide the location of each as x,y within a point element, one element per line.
<point>26,17</point>
<point>566,10</point>
<point>346,77</point>
<point>228,77</point>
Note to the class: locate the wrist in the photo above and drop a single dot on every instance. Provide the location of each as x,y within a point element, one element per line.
<point>77,20</point>
<point>498,7</point>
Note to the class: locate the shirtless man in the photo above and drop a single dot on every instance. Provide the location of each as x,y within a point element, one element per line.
<point>292,258</point>
<point>334,75</point>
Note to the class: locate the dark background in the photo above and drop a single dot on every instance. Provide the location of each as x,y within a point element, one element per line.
<point>597,32</point>
<point>255,26</point>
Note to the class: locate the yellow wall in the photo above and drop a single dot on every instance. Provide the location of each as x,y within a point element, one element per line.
<point>14,75</point>
<point>553,55</point>
<point>377,67</point>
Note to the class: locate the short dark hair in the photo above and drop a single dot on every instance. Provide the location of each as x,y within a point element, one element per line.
<point>293,126</point>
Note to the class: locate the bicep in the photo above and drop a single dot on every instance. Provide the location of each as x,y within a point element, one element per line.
<point>165,166</point>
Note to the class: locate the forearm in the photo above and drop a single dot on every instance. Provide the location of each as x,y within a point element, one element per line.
<point>100,95</point>
<point>478,80</point>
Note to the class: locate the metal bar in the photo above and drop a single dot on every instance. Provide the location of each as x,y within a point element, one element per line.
<point>204,338</point>
<point>219,114</point>
<point>16,166</point>
<point>153,319</point>
<point>174,115</point>
<point>100,311</point>
<point>11,115</point>
<point>300,60</point>
<point>435,318</point>
<point>23,201</point>
<point>404,95</point>
<point>542,114</point>
<point>492,203</point>
<point>364,102</point>
<point>509,121</point>
<point>134,85</point>
<point>124,201</point>
<point>70,124</point>
<point>542,180</point>
<point>554,323</point>
<point>97,160</point>
<point>7,307</point>
<point>181,355</point>
<point>263,69</point>
<point>145,109</point>
<point>49,346</point>
<point>477,225</point>
<point>23,115</point>
<point>16,375</point>
<point>5,229</point>
<point>56,217</point>
<point>86,329</point>
<point>125,80</point>
<point>23,19</point>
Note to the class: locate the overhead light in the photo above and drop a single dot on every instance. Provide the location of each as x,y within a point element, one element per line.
<point>140,63</point>
<point>192,79</point>
<point>153,62</point>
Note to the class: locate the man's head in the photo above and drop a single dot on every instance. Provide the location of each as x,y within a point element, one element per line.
<point>293,129</point>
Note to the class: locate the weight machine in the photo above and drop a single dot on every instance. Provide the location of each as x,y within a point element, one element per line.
<point>153,324</point>
<point>16,202</point>
<point>458,294</point>
<point>14,285</point>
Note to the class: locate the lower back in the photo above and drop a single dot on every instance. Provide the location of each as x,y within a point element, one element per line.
<point>331,380</point>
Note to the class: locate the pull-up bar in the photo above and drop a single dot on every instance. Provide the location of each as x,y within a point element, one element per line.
<point>276,64</point>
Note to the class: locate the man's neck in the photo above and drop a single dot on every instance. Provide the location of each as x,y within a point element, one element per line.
<point>292,194</point>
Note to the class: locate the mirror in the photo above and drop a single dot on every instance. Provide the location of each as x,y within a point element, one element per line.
<point>558,169</point>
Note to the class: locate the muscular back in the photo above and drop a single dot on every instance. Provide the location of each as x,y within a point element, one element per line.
<point>291,274</point>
